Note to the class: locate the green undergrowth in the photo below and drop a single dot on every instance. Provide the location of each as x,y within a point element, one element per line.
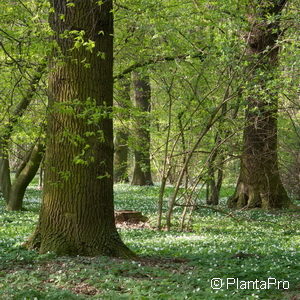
<point>246,245</point>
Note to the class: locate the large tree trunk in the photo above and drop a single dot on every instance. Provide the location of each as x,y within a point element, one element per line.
<point>259,183</point>
<point>24,177</point>
<point>142,96</point>
<point>77,213</point>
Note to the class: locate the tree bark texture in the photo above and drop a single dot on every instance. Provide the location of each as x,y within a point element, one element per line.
<point>259,183</point>
<point>77,213</point>
<point>24,177</point>
<point>141,98</point>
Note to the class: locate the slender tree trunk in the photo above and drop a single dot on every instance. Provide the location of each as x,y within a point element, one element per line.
<point>142,96</point>
<point>6,131</point>
<point>166,168</point>
<point>204,131</point>
<point>5,181</point>
<point>25,160</point>
<point>213,184</point>
<point>77,213</point>
<point>212,193</point>
<point>121,157</point>
<point>24,177</point>
<point>122,134</point>
<point>212,190</point>
<point>41,175</point>
<point>259,183</point>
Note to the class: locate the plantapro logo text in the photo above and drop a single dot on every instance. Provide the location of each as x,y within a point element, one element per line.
<point>270,283</point>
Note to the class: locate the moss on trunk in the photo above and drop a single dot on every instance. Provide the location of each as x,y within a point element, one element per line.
<point>77,213</point>
<point>24,177</point>
<point>259,183</point>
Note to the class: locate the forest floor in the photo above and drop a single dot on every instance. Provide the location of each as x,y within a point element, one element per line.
<point>256,246</point>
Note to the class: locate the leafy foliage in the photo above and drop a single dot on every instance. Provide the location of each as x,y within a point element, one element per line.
<point>194,54</point>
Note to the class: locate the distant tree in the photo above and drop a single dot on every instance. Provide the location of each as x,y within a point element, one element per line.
<point>121,132</point>
<point>5,135</point>
<point>24,42</point>
<point>141,98</point>
<point>259,183</point>
<point>77,213</point>
<point>24,176</point>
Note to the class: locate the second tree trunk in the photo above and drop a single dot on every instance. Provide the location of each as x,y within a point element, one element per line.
<point>259,183</point>
<point>141,97</point>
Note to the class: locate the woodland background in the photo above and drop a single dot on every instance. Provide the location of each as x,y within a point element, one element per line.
<point>206,140</point>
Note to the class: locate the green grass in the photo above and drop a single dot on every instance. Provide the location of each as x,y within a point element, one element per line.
<point>174,265</point>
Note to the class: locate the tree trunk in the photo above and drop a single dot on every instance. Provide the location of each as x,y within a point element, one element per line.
<point>259,183</point>
<point>214,187</point>
<point>142,96</point>
<point>214,184</point>
<point>77,213</point>
<point>212,197</point>
<point>25,160</point>
<point>212,192</point>
<point>24,177</point>
<point>7,129</point>
<point>121,157</point>
<point>121,133</point>
<point>41,175</point>
<point>5,181</point>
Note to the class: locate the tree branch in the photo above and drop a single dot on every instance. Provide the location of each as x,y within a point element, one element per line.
<point>24,102</point>
<point>158,60</point>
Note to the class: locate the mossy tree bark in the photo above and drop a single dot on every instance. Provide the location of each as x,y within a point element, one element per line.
<point>24,177</point>
<point>77,213</point>
<point>141,99</point>
<point>259,183</point>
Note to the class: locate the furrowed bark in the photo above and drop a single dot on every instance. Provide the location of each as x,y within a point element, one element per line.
<point>259,183</point>
<point>77,213</point>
